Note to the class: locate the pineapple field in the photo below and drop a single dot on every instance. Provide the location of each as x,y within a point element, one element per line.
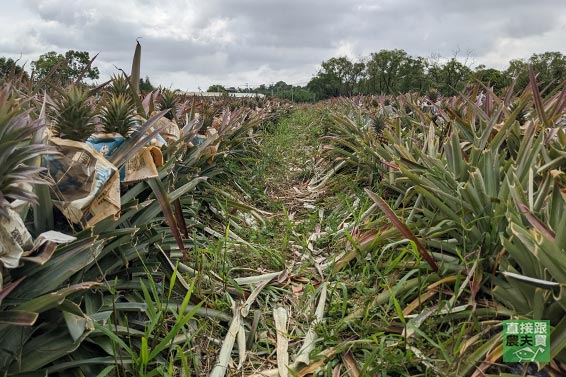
<point>164,234</point>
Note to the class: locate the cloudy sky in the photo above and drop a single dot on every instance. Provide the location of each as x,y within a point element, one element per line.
<point>190,44</point>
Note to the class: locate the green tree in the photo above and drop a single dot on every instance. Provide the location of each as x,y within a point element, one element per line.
<point>413,76</point>
<point>450,77</point>
<point>550,68</point>
<point>64,68</point>
<point>300,94</point>
<point>518,70</point>
<point>216,88</point>
<point>492,77</point>
<point>294,93</point>
<point>281,85</point>
<point>6,66</point>
<point>337,77</point>
<point>145,85</point>
<point>384,69</point>
<point>324,86</point>
<point>394,71</point>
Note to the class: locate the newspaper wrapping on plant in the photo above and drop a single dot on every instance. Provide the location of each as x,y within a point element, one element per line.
<point>171,132</point>
<point>86,185</point>
<point>211,150</point>
<point>14,238</point>
<point>142,165</point>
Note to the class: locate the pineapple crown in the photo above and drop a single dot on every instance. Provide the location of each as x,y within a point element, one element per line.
<point>433,95</point>
<point>209,111</point>
<point>168,100</point>
<point>73,115</point>
<point>118,115</point>
<point>120,85</point>
<point>523,113</point>
<point>377,123</point>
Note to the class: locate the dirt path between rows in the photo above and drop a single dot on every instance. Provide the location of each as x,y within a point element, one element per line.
<point>284,332</point>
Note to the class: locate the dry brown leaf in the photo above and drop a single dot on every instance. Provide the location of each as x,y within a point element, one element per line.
<point>310,369</point>
<point>336,370</point>
<point>297,289</point>
<point>494,355</point>
<point>280,318</point>
<point>351,364</point>
<point>448,279</point>
<point>417,302</point>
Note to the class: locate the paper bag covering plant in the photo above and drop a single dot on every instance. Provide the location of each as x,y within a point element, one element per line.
<point>168,100</point>
<point>118,121</point>
<point>80,173</point>
<point>19,154</point>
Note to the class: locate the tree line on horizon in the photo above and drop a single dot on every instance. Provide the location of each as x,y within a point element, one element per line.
<point>390,72</point>
<point>387,72</point>
<point>60,69</point>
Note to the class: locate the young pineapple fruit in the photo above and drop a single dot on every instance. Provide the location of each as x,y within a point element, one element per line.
<point>118,115</point>
<point>73,115</point>
<point>378,126</point>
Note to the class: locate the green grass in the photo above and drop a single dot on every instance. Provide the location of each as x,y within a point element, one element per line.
<point>285,162</point>
<point>286,157</point>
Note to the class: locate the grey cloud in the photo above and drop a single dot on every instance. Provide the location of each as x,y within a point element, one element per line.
<point>187,41</point>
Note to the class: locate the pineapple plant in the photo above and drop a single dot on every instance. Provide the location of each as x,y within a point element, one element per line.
<point>407,108</point>
<point>17,153</point>
<point>120,86</point>
<point>19,170</point>
<point>378,124</point>
<point>523,115</point>
<point>168,100</point>
<point>433,95</point>
<point>72,115</point>
<point>209,111</point>
<point>118,115</point>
